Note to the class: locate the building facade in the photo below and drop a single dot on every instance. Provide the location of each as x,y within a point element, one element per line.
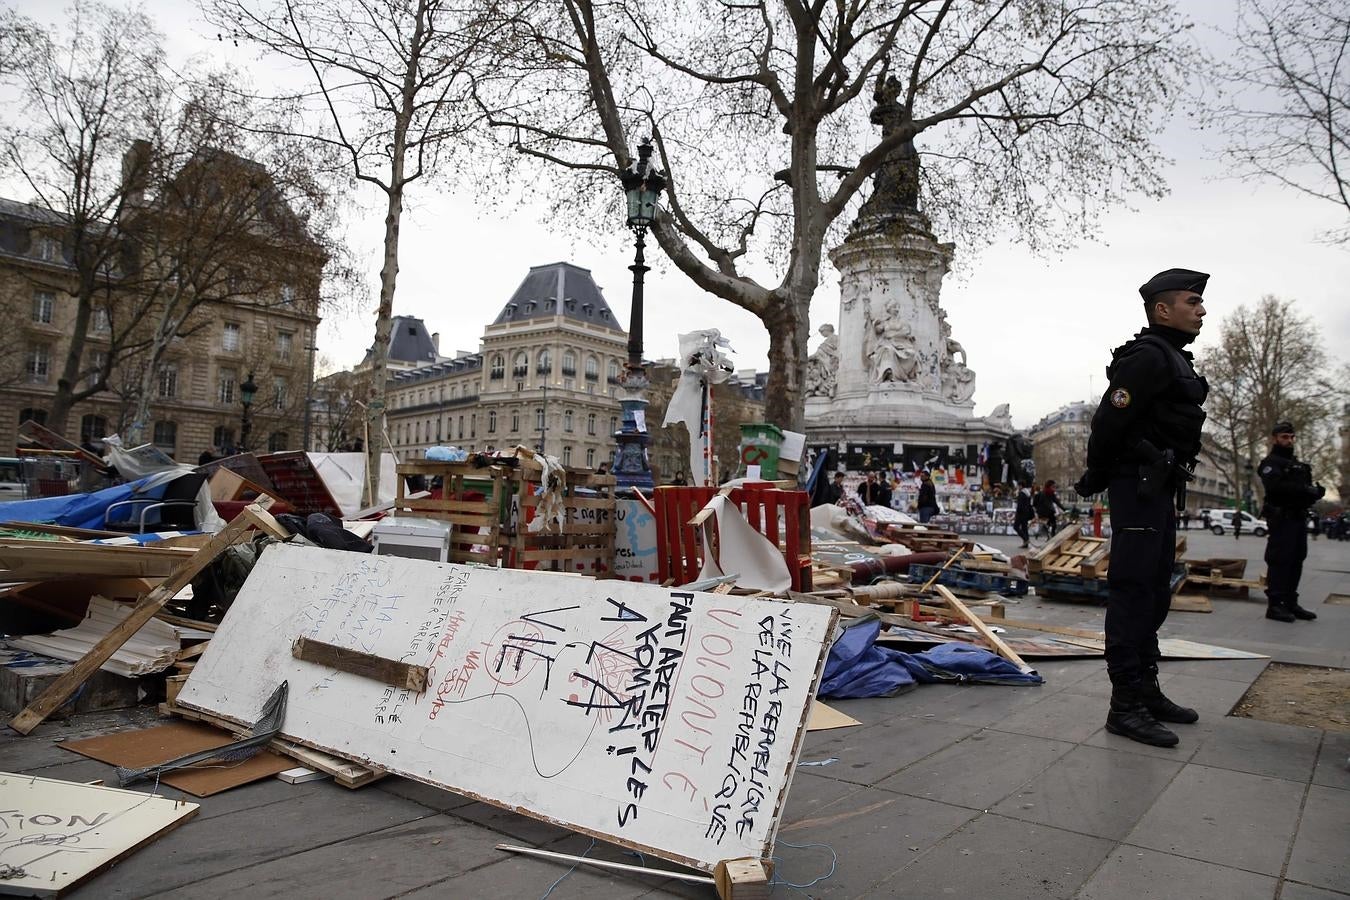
<point>195,403</point>
<point>545,377</point>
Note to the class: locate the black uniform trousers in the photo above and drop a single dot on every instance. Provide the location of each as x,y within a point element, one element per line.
<point>1143,551</point>
<point>1286,548</point>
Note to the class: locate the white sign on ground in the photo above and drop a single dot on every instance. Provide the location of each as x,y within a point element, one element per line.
<point>55,834</point>
<point>665,720</point>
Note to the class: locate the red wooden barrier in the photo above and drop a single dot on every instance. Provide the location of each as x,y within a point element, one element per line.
<point>781,516</point>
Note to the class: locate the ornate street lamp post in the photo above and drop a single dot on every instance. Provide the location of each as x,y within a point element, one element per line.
<point>642,183</point>
<point>247,391</point>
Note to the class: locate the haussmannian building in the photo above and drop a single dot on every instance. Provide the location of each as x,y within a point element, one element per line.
<point>196,404</point>
<point>545,377</point>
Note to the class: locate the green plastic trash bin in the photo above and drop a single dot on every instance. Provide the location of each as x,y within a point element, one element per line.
<point>760,443</point>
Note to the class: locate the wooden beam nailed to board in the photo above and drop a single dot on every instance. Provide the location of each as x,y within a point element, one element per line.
<point>60,690</point>
<point>386,671</point>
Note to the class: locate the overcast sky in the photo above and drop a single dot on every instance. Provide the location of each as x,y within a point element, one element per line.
<point>1038,330</point>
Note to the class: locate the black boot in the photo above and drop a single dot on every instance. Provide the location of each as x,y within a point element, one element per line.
<point>1130,718</point>
<point>1299,612</point>
<point>1164,710</point>
<point>1278,612</point>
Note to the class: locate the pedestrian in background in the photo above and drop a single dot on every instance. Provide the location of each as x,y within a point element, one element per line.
<point>1290,492</point>
<point>1049,507</point>
<point>928,505</point>
<point>1023,515</point>
<point>1145,435</point>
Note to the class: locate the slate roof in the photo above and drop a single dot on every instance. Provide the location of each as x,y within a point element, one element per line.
<point>559,287</point>
<point>409,341</point>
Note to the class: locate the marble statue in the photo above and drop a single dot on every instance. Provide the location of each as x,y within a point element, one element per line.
<point>1001,417</point>
<point>894,355</point>
<point>961,384</point>
<point>822,365</point>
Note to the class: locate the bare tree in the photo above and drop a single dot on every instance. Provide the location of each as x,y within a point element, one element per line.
<point>1288,116</point>
<point>335,404</point>
<point>1032,115</point>
<point>80,100</point>
<point>1270,365</point>
<point>388,78</point>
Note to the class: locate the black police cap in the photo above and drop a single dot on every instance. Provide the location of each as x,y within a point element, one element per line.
<point>1173,280</point>
<point>1283,428</point>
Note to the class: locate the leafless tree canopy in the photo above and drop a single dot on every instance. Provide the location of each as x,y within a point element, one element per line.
<point>1031,117</point>
<point>165,201</point>
<point>1288,118</point>
<point>386,87</point>
<point>1271,365</point>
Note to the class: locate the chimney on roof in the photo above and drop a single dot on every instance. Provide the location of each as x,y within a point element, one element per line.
<point>136,172</point>
<point>436,341</point>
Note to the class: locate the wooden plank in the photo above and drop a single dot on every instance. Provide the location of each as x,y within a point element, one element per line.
<point>996,642</point>
<point>348,773</point>
<point>67,684</point>
<point>367,665</point>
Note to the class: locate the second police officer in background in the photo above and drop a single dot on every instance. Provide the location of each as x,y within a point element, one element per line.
<point>1290,492</point>
<point>1145,437</point>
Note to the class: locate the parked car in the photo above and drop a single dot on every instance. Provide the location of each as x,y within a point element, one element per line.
<point>11,479</point>
<point>1221,522</point>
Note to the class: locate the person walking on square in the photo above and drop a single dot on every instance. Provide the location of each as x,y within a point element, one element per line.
<point>927,504</point>
<point>1048,506</point>
<point>1023,515</point>
<point>1290,492</point>
<point>1145,436</point>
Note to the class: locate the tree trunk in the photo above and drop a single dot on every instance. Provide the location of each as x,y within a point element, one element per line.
<point>59,415</point>
<point>788,323</point>
<point>135,433</point>
<point>374,436</point>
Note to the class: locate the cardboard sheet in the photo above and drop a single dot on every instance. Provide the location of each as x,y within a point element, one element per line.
<point>825,718</point>
<point>136,749</point>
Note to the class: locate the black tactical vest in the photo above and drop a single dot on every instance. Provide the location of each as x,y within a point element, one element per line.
<point>1177,416</point>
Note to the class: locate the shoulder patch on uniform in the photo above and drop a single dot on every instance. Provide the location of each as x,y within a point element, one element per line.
<point>1120,398</point>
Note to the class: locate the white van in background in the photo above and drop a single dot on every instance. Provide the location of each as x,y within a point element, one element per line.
<point>1221,522</point>
<point>11,479</point>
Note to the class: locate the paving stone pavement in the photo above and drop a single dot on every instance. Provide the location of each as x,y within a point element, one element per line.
<point>978,791</point>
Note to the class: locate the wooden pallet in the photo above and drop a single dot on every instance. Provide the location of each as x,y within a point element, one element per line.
<point>583,543</point>
<point>475,524</point>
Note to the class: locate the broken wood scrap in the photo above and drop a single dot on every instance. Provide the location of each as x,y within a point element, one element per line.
<point>346,772</point>
<point>67,684</point>
<point>995,642</point>
<point>45,560</point>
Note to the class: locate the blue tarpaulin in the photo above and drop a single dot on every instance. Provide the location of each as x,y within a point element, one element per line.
<point>857,667</point>
<point>86,510</point>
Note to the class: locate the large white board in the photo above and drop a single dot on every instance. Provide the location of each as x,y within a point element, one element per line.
<point>666,720</point>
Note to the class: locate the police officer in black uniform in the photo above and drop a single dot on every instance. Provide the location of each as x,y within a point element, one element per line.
<point>1290,492</point>
<point>1145,438</point>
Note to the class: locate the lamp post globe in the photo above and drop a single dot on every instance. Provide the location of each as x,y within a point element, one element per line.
<point>247,391</point>
<point>642,186</point>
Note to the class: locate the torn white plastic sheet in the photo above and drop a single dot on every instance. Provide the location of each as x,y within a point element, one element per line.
<point>744,552</point>
<point>701,364</point>
<point>344,475</point>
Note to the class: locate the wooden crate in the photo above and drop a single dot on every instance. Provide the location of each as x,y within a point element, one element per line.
<point>583,544</point>
<point>475,521</point>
